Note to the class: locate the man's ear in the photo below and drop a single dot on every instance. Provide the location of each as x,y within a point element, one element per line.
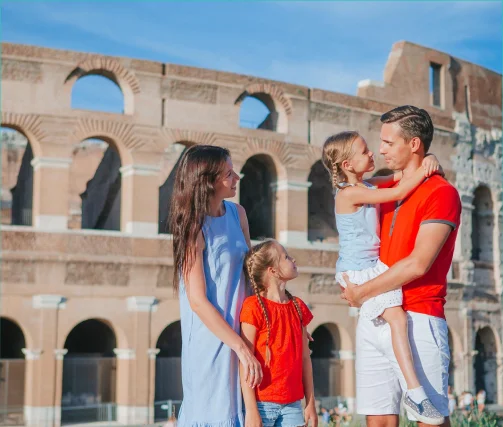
<point>415,144</point>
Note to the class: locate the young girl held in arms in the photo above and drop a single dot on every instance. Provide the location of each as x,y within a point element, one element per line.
<point>347,158</point>
<point>273,324</point>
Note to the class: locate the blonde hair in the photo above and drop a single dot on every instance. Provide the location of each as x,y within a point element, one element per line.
<point>336,149</point>
<point>257,260</point>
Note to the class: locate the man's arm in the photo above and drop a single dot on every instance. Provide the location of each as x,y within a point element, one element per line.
<point>429,241</point>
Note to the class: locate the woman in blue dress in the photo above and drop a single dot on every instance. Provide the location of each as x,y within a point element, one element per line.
<point>210,240</point>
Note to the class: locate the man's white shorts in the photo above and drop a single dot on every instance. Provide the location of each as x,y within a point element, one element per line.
<point>379,381</point>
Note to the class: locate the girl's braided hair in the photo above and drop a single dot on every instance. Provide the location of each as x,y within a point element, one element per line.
<point>258,259</point>
<point>336,149</point>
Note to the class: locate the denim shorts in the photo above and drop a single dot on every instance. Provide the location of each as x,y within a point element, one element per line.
<point>281,415</point>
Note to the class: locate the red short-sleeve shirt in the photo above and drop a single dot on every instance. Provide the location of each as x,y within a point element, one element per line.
<point>435,200</point>
<point>282,382</point>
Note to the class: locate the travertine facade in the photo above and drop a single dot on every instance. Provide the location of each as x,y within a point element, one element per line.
<point>56,275</point>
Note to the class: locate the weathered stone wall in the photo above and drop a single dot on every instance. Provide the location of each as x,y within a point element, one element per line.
<point>124,277</point>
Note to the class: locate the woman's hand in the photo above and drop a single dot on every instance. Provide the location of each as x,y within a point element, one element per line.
<point>251,366</point>
<point>310,415</point>
<point>252,419</point>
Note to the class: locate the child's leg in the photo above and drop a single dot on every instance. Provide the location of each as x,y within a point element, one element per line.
<point>397,320</point>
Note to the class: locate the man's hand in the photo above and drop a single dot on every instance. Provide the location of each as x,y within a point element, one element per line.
<point>351,293</point>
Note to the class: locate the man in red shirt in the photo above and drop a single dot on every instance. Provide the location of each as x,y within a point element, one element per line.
<point>417,243</point>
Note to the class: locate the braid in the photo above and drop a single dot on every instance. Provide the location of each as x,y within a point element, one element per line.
<point>249,267</point>
<point>335,176</point>
<point>295,303</point>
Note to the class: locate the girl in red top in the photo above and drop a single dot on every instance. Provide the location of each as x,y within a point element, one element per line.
<point>273,324</point>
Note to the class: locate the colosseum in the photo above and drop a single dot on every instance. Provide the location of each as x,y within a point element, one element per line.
<point>89,322</point>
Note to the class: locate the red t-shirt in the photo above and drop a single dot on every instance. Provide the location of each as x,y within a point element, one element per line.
<point>282,382</point>
<point>435,200</point>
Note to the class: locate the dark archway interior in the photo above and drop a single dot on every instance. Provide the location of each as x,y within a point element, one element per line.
<point>11,340</point>
<point>257,196</point>
<point>91,338</point>
<point>321,205</point>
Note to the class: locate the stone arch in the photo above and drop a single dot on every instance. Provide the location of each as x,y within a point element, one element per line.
<point>321,209</point>
<point>13,339</point>
<point>95,199</point>
<point>257,195</point>
<point>273,149</point>
<point>112,70</point>
<point>488,351</point>
<point>12,368</point>
<point>326,359</point>
<point>168,369</point>
<point>17,177</point>
<point>169,167</point>
<point>120,335</point>
<point>89,370</point>
<point>188,137</point>
<point>28,125</point>
<point>275,100</point>
<point>119,134</point>
<point>456,362</point>
<point>482,225</point>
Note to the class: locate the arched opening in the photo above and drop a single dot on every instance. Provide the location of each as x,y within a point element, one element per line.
<point>89,374</point>
<point>482,225</point>
<point>321,219</point>
<point>486,364</point>
<point>257,196</point>
<point>95,199</point>
<point>326,361</point>
<point>254,114</point>
<point>98,91</point>
<point>259,110</point>
<point>17,178</point>
<point>168,370</point>
<point>170,163</point>
<point>12,373</point>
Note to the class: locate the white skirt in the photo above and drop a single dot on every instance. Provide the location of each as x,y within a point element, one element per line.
<point>373,307</point>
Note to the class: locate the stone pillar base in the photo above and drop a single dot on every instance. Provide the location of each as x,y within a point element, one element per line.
<point>134,414</point>
<point>36,416</point>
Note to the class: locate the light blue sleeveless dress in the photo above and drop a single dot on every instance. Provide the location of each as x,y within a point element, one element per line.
<point>210,369</point>
<point>359,245</point>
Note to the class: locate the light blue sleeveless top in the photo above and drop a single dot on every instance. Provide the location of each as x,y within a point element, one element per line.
<point>359,240</point>
<point>210,376</point>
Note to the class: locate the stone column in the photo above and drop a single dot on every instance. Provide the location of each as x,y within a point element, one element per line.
<point>140,199</point>
<point>125,385</point>
<point>499,376</point>
<point>291,212</point>
<point>50,192</point>
<point>134,366</point>
<point>468,346</point>
<point>152,357</point>
<point>42,400</point>
<point>348,377</point>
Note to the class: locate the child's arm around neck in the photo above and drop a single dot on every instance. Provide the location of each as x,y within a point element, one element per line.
<point>359,195</point>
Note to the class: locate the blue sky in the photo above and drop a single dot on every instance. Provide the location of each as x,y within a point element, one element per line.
<point>328,45</point>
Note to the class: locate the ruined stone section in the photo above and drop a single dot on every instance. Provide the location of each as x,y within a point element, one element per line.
<point>463,86</point>
<point>56,275</point>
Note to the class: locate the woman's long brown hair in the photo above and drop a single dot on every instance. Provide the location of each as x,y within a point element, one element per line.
<point>198,171</point>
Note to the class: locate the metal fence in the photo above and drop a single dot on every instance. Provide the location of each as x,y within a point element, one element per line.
<point>89,413</point>
<point>168,384</point>
<point>11,391</point>
<point>327,376</point>
<point>88,393</point>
